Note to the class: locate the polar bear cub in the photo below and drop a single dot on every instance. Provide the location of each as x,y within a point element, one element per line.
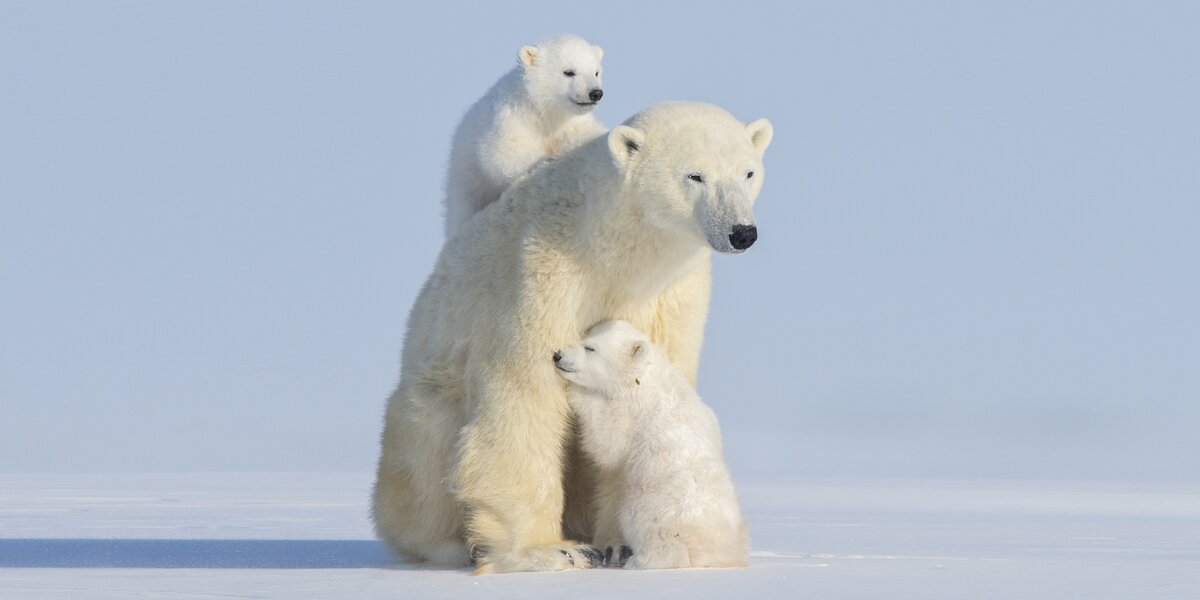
<point>541,108</point>
<point>660,446</point>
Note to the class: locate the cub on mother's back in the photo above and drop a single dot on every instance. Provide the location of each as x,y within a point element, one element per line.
<point>541,108</point>
<point>647,429</point>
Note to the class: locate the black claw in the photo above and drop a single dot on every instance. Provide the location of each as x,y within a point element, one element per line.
<point>608,555</point>
<point>570,559</point>
<point>593,555</point>
<point>626,552</point>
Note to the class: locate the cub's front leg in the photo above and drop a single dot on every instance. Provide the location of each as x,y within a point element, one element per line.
<point>605,435</point>
<point>607,506</point>
<point>509,153</point>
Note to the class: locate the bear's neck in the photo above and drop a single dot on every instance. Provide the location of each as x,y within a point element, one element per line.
<point>639,259</point>
<point>551,118</point>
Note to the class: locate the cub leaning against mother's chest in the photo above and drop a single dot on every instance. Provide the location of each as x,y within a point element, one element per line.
<point>472,463</point>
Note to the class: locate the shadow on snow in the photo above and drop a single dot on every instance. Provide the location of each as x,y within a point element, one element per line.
<point>195,554</point>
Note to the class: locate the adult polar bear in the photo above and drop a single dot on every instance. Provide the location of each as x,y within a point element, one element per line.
<point>475,449</point>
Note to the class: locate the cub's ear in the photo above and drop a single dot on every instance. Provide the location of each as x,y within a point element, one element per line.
<point>760,134</point>
<point>625,143</point>
<point>599,52</point>
<point>526,55</point>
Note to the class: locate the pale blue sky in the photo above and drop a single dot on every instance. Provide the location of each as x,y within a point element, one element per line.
<point>979,243</point>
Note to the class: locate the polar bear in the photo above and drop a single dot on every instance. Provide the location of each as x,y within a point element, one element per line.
<point>643,424</point>
<point>539,109</point>
<point>477,454</point>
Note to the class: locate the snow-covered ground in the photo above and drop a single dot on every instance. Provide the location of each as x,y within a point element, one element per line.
<point>307,536</point>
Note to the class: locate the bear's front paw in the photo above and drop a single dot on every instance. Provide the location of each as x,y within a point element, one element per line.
<point>585,553</point>
<point>617,557</point>
<point>556,557</point>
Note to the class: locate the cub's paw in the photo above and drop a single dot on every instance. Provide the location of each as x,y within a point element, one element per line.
<point>554,557</point>
<point>617,556</point>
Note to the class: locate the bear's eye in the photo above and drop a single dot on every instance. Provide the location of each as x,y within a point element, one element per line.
<point>589,348</point>
<point>696,177</point>
<point>569,73</point>
<point>597,73</point>
<point>749,174</point>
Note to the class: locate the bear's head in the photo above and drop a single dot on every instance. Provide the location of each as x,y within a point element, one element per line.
<point>694,170</point>
<point>614,355</point>
<point>562,74</point>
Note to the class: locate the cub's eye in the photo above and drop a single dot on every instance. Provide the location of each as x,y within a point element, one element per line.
<point>749,174</point>
<point>569,73</point>
<point>597,73</point>
<point>589,348</point>
<point>696,177</point>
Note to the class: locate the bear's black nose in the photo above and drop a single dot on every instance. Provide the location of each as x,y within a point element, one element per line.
<point>596,94</point>
<point>557,356</point>
<point>743,236</point>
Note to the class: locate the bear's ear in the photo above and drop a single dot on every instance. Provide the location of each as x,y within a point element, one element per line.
<point>625,143</point>
<point>760,134</point>
<point>599,52</point>
<point>526,55</point>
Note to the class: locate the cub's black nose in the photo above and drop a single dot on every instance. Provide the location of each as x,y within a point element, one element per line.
<point>743,236</point>
<point>596,94</point>
<point>557,356</point>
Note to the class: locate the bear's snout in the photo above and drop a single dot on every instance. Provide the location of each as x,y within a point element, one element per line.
<point>561,364</point>
<point>595,95</point>
<point>743,236</point>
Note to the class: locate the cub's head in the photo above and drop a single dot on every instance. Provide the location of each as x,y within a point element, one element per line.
<point>614,355</point>
<point>695,170</point>
<point>563,74</point>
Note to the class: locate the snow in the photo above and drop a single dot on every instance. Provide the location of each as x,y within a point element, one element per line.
<point>275,535</point>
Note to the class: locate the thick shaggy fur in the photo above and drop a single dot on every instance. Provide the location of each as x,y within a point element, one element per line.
<point>476,449</point>
<point>532,113</point>
<point>647,430</point>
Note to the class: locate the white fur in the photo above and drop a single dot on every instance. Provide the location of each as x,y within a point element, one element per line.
<point>477,449</point>
<point>532,113</point>
<point>646,428</point>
